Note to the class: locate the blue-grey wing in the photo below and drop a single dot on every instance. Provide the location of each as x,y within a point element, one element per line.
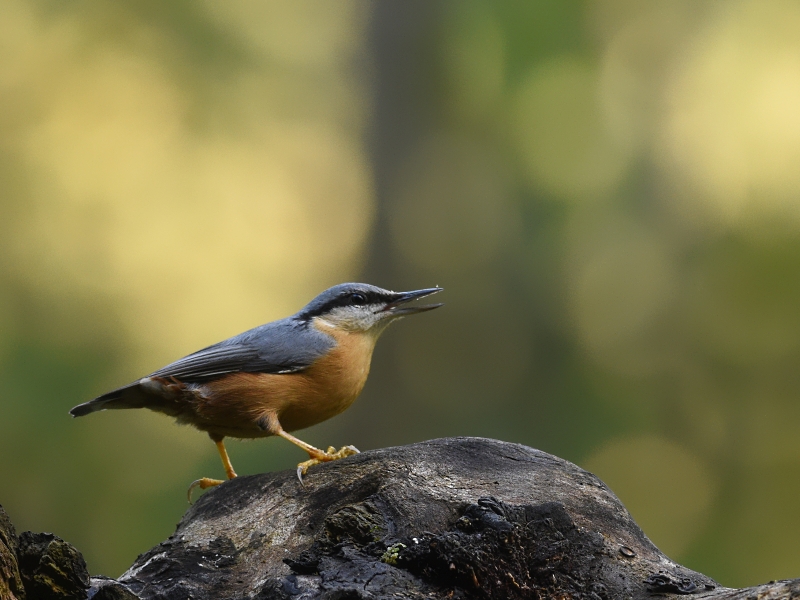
<point>212,362</point>
<point>285,346</point>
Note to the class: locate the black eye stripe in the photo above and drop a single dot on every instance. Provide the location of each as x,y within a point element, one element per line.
<point>358,299</point>
<point>350,298</point>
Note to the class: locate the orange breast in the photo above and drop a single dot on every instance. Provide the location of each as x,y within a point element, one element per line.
<point>233,405</point>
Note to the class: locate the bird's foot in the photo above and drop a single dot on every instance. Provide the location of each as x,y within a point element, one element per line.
<point>330,454</point>
<point>203,483</point>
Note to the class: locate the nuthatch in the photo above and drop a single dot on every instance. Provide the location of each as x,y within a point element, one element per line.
<point>275,378</point>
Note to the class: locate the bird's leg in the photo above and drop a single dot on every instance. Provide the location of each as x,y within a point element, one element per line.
<point>206,482</point>
<point>226,462</point>
<point>317,456</point>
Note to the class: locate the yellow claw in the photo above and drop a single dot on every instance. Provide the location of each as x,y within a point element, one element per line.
<point>330,454</point>
<point>203,483</point>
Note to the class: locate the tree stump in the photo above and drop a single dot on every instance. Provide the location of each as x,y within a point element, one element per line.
<point>452,518</point>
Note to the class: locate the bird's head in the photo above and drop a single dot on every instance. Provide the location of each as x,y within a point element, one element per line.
<point>360,307</point>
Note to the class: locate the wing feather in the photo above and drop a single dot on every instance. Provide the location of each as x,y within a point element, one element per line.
<point>284,346</point>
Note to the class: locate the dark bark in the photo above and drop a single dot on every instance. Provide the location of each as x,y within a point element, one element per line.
<point>39,566</point>
<point>10,581</point>
<point>453,518</point>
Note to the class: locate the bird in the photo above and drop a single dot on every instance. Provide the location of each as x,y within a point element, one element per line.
<point>276,378</point>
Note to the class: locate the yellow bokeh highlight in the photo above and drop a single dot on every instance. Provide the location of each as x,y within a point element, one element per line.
<point>731,127</point>
<point>199,232</point>
<point>641,41</point>
<point>298,34</point>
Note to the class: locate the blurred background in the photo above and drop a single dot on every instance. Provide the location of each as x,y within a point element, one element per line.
<point>608,191</point>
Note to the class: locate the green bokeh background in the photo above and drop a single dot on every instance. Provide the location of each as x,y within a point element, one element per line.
<point>608,191</point>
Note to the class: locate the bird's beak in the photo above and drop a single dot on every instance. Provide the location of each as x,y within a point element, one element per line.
<point>396,308</point>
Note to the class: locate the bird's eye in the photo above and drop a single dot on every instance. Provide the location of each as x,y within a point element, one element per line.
<point>358,299</point>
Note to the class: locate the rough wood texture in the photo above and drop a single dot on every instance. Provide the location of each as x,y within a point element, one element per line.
<point>10,581</point>
<point>454,518</point>
<point>39,566</point>
<point>450,518</point>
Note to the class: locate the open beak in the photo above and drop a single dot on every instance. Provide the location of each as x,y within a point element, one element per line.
<point>397,308</point>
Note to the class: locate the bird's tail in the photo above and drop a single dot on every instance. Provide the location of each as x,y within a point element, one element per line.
<point>130,396</point>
